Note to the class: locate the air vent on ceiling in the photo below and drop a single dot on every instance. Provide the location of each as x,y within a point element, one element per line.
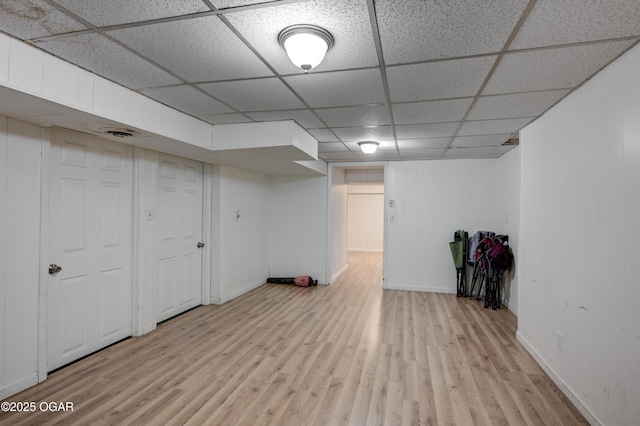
<point>117,132</point>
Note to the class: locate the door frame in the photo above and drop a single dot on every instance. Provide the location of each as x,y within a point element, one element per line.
<point>331,220</point>
<point>145,167</point>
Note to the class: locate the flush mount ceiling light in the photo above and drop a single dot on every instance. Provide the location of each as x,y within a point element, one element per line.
<point>368,147</point>
<point>306,45</point>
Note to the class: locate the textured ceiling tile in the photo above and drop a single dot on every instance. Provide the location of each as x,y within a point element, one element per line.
<point>34,18</point>
<point>558,68</point>
<point>331,147</point>
<point>342,88</point>
<point>355,116</point>
<point>430,112</point>
<point>423,143</point>
<point>254,95</point>
<point>515,105</point>
<point>390,155</point>
<point>493,127</point>
<point>364,133</point>
<point>187,99</point>
<point>416,30</point>
<point>422,154</point>
<point>323,135</point>
<point>436,130</point>
<point>223,4</point>
<point>198,50</point>
<point>107,59</point>
<point>574,21</point>
<point>114,12</point>
<point>468,152</point>
<point>438,80</point>
<point>226,118</point>
<point>338,156</point>
<point>499,150</point>
<point>347,21</point>
<point>303,117</point>
<point>478,141</point>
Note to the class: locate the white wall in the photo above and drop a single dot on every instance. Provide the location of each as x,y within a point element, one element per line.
<point>506,218</point>
<point>20,268</point>
<point>242,244</point>
<point>579,234</point>
<point>365,217</point>
<point>337,223</point>
<point>298,227</point>
<point>434,199</point>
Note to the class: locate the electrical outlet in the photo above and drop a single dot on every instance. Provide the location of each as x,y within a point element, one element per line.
<point>560,341</point>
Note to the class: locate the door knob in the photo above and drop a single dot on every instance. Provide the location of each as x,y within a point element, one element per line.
<point>200,244</point>
<point>54,269</point>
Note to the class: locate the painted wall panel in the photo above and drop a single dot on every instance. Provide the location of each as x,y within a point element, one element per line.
<point>506,217</point>
<point>244,205</point>
<point>338,223</point>
<point>20,147</point>
<point>433,199</point>
<point>365,217</point>
<point>297,230</point>
<point>579,302</point>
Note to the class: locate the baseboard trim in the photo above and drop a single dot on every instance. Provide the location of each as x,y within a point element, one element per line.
<point>340,272</point>
<point>240,292</point>
<point>421,289</point>
<point>562,385</point>
<point>19,385</point>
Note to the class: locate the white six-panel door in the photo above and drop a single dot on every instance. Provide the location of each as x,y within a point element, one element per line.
<point>90,222</point>
<point>178,230</point>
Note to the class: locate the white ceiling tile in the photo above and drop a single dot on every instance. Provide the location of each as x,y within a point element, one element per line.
<point>347,21</point>
<point>114,12</point>
<point>515,105</point>
<point>34,19</point>
<point>226,118</point>
<point>338,156</point>
<point>422,154</point>
<point>194,49</point>
<point>379,156</point>
<point>438,80</point>
<point>187,99</point>
<point>223,4</point>
<point>364,133</point>
<point>254,95</point>
<point>478,141</point>
<point>323,135</point>
<point>557,68</point>
<point>417,30</point>
<point>499,150</point>
<point>331,147</point>
<point>105,58</point>
<point>355,116</point>
<point>342,88</point>
<point>493,127</point>
<point>435,130</point>
<point>303,117</point>
<point>430,112</point>
<point>575,21</point>
<point>423,143</point>
<point>468,152</point>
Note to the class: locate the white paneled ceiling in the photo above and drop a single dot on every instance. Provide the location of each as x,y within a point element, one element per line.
<point>428,79</point>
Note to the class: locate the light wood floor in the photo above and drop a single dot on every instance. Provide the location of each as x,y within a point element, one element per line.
<point>349,353</point>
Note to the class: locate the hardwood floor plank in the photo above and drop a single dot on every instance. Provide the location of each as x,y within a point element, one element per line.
<point>350,353</point>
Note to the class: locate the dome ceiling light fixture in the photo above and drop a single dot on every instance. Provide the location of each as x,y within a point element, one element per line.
<point>369,147</point>
<point>306,45</point>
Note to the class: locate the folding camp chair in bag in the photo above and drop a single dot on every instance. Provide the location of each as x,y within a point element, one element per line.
<point>459,253</point>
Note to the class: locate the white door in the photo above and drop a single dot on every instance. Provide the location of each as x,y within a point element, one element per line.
<point>90,219</point>
<point>178,230</point>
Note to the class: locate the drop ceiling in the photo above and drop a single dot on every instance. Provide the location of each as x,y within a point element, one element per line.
<point>428,79</point>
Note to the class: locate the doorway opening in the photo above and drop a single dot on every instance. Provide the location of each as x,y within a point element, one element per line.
<point>357,218</point>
